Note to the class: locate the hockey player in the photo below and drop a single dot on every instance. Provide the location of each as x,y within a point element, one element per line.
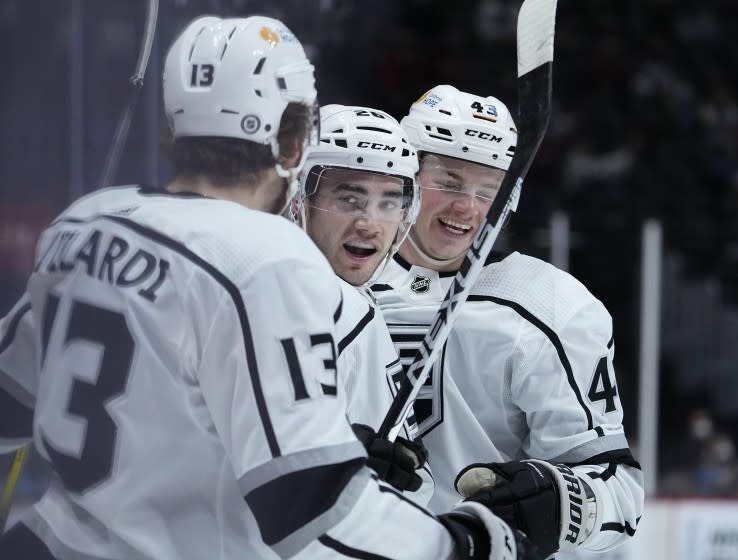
<point>175,435</point>
<point>522,403</point>
<point>357,200</point>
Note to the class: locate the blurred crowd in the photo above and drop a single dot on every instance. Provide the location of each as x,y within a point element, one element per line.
<point>645,124</point>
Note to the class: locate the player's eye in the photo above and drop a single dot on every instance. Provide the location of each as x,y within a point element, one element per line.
<point>387,205</point>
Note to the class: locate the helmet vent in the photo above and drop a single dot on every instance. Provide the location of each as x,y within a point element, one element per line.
<point>405,152</point>
<point>444,131</point>
<point>259,66</point>
<point>445,112</point>
<point>342,143</point>
<point>374,129</point>
<point>229,111</point>
<point>192,48</point>
<point>257,92</point>
<point>281,84</point>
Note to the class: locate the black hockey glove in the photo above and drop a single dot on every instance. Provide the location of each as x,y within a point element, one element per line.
<point>394,462</point>
<point>549,503</point>
<point>481,535</point>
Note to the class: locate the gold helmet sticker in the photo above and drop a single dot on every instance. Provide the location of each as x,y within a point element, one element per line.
<point>270,36</point>
<point>422,97</point>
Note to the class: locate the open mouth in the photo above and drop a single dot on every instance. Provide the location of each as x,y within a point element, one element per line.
<point>454,227</point>
<point>360,250</point>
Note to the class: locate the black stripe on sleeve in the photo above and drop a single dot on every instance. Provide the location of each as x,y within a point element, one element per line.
<point>611,342</point>
<point>304,494</point>
<point>21,542</point>
<point>619,527</point>
<point>605,475</point>
<point>365,320</point>
<point>13,326</point>
<point>346,550</point>
<point>238,303</point>
<point>553,337</point>
<point>616,456</point>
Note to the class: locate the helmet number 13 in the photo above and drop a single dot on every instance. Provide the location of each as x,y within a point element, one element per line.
<point>201,75</point>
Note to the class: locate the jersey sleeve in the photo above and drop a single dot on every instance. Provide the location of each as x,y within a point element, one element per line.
<point>18,376</point>
<point>566,386</point>
<point>269,377</point>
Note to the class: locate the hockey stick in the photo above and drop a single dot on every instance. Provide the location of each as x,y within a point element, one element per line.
<point>6,501</point>
<point>535,35</point>
<point>124,123</point>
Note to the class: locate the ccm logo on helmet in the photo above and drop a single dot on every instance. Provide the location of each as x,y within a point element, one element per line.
<point>376,146</point>
<point>483,135</point>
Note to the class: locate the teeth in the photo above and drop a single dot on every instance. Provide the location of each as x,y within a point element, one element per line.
<point>360,245</point>
<point>455,225</point>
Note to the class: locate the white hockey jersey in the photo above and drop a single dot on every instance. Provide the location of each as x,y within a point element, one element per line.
<point>174,358</point>
<point>367,364</point>
<point>527,372</point>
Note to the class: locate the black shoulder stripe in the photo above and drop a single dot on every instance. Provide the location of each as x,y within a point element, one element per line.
<point>365,320</point>
<point>381,288</point>
<point>615,456</point>
<point>496,256</point>
<point>13,326</point>
<point>346,550</point>
<point>309,493</point>
<point>553,337</point>
<point>402,262</point>
<point>238,302</point>
<point>339,310</point>
<point>611,342</point>
<point>618,527</point>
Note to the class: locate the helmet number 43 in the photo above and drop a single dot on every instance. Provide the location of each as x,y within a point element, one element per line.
<point>479,108</point>
<point>201,75</point>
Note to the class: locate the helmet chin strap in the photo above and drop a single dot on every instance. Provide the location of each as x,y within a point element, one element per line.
<point>290,174</point>
<point>430,260</point>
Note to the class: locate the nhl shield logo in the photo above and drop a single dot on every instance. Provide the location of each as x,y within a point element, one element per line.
<point>420,284</point>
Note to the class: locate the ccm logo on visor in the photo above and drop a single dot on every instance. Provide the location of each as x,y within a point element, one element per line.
<point>483,135</point>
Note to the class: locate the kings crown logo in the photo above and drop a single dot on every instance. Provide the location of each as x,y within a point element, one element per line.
<point>420,284</point>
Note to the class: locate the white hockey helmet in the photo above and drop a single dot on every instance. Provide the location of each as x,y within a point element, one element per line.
<point>453,123</point>
<point>367,140</point>
<point>234,78</point>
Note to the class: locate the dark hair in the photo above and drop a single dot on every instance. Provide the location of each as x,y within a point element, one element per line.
<point>228,161</point>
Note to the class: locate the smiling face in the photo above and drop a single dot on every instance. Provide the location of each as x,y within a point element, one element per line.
<point>354,218</point>
<point>456,196</point>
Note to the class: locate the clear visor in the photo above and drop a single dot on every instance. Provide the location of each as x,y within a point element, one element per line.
<point>359,193</point>
<point>476,181</point>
